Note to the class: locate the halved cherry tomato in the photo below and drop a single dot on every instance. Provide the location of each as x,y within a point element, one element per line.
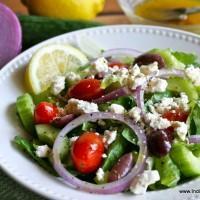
<point>45,112</point>
<point>176,115</point>
<point>117,63</point>
<point>86,89</point>
<point>87,152</point>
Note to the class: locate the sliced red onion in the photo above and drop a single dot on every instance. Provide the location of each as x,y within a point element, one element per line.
<point>10,35</point>
<point>121,52</point>
<point>165,73</point>
<point>139,97</point>
<point>108,188</point>
<point>195,139</point>
<point>124,91</point>
<point>61,122</point>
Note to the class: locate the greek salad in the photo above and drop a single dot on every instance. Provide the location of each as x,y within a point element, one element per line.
<point>126,121</point>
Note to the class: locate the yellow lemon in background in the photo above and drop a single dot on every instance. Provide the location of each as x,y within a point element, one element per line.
<point>65,9</point>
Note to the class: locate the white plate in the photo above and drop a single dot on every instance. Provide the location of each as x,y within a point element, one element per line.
<point>27,172</point>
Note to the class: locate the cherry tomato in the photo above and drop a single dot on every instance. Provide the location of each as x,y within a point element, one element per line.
<point>87,152</point>
<point>117,63</point>
<point>176,115</point>
<point>86,89</point>
<point>45,112</point>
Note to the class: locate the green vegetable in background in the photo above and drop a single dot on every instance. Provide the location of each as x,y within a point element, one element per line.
<point>169,172</point>
<point>29,149</point>
<point>37,29</point>
<point>184,158</point>
<point>128,134</point>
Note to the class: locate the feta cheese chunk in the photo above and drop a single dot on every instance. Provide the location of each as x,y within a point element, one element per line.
<point>100,174</point>
<point>157,85</point>
<point>135,70</point>
<point>58,84</point>
<point>101,65</point>
<point>78,107</point>
<point>156,121</point>
<point>149,69</point>
<point>143,180</point>
<point>193,74</point>
<point>149,163</point>
<point>181,129</point>
<point>109,137</point>
<point>135,113</point>
<point>183,101</point>
<point>116,108</point>
<point>134,82</point>
<point>42,151</point>
<point>73,77</point>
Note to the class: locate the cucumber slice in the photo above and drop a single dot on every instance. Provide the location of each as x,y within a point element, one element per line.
<point>183,85</point>
<point>25,109</point>
<point>46,133</point>
<point>186,161</point>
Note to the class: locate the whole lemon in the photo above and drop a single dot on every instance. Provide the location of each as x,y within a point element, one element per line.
<point>65,9</point>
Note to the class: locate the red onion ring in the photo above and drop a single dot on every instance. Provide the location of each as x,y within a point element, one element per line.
<point>113,95</point>
<point>108,188</point>
<point>139,97</point>
<point>195,139</point>
<point>121,51</point>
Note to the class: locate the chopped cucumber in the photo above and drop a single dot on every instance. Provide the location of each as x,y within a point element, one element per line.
<point>46,133</point>
<point>25,109</point>
<point>169,172</point>
<point>183,85</point>
<point>184,158</point>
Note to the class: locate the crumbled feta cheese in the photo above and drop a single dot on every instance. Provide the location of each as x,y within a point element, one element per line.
<point>94,147</point>
<point>135,113</point>
<point>181,129</point>
<point>109,137</point>
<point>116,108</point>
<point>73,77</point>
<point>157,85</point>
<point>165,105</point>
<point>183,101</point>
<point>100,174</point>
<point>149,163</point>
<point>104,155</point>
<point>156,121</point>
<point>78,107</point>
<point>58,84</point>
<point>42,151</point>
<point>101,65</point>
<point>135,70</point>
<point>193,74</point>
<point>142,181</point>
<point>73,139</point>
<point>134,82</point>
<point>149,69</point>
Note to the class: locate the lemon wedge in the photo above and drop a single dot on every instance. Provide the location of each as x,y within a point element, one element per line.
<point>49,62</point>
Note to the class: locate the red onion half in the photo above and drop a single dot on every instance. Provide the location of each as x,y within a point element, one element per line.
<point>195,139</point>
<point>109,188</point>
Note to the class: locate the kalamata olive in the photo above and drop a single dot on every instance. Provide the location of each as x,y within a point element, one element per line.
<point>61,122</point>
<point>122,167</point>
<point>148,58</point>
<point>159,143</point>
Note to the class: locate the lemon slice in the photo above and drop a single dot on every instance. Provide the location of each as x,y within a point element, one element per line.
<point>50,61</point>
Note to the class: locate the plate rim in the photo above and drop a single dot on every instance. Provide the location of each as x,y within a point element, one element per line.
<point>191,37</point>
